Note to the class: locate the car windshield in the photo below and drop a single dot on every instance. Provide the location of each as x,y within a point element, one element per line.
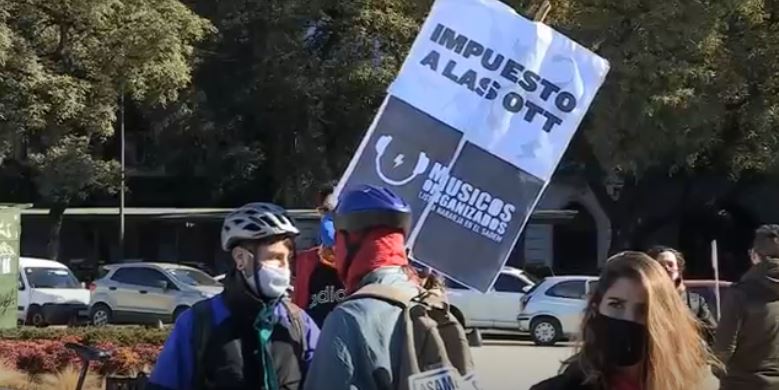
<point>42,277</point>
<point>193,277</point>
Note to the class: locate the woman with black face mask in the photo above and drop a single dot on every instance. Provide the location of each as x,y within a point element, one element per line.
<point>637,334</point>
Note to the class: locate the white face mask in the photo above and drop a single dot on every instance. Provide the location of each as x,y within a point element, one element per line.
<point>273,281</point>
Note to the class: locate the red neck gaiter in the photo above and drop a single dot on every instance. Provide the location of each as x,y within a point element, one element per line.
<point>381,247</point>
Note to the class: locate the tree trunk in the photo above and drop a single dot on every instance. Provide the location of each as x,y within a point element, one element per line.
<point>56,214</point>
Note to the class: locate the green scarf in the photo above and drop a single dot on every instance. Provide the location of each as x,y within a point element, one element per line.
<point>264,324</point>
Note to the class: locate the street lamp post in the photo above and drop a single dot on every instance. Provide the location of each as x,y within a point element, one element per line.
<point>121,189</point>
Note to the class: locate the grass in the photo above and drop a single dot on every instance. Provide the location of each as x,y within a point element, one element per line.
<point>66,379</point>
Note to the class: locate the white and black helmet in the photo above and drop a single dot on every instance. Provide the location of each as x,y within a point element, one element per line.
<point>256,221</point>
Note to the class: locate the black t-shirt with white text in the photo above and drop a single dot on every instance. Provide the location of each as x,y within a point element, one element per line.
<point>325,292</point>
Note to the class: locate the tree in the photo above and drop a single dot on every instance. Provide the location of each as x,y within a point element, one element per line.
<point>69,173</point>
<point>66,65</point>
<point>304,81</point>
<point>692,92</point>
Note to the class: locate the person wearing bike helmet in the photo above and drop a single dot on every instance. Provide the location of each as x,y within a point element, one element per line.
<point>250,336</point>
<point>358,340</point>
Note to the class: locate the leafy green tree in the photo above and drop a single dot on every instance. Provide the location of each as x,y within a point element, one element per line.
<point>64,66</point>
<point>692,92</point>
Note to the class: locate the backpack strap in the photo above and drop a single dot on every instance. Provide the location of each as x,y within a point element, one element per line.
<point>393,295</point>
<point>202,324</point>
<point>297,329</point>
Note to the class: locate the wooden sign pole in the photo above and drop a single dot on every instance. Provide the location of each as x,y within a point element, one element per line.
<point>543,10</point>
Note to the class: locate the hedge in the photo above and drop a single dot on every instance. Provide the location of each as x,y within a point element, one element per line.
<point>42,350</point>
<point>125,336</point>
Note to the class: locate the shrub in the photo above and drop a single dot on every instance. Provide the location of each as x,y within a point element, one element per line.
<point>118,335</point>
<point>46,356</point>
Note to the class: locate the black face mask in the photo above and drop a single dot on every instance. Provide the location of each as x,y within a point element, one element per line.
<point>624,342</point>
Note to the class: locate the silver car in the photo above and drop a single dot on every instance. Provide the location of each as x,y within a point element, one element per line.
<point>553,309</point>
<point>148,292</point>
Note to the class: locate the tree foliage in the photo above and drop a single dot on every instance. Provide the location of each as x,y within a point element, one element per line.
<point>692,85</point>
<point>63,66</point>
<point>283,93</point>
<point>295,84</point>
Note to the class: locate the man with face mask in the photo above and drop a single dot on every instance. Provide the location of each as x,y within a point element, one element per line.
<point>748,333</point>
<point>674,263</point>
<point>250,336</point>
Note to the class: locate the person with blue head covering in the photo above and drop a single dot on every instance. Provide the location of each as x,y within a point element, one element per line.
<point>325,289</point>
<point>317,286</point>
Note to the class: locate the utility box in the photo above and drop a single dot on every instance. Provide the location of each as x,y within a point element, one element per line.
<point>10,231</point>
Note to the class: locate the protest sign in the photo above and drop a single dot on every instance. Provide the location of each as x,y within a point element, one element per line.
<point>473,129</point>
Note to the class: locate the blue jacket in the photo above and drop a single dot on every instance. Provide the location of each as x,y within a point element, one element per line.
<point>358,338</point>
<point>174,368</point>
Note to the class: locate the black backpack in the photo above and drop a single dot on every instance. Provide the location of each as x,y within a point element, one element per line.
<point>203,324</point>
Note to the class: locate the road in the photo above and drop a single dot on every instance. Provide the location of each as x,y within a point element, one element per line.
<point>517,365</point>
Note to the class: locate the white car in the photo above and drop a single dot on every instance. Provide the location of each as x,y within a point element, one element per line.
<point>49,293</point>
<point>553,309</point>
<point>495,310</point>
<point>148,292</point>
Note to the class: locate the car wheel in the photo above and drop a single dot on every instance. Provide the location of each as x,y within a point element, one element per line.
<point>545,331</point>
<point>179,310</point>
<point>100,315</point>
<point>35,317</point>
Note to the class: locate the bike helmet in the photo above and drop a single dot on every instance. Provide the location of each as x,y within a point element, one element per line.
<point>369,206</point>
<point>256,221</point>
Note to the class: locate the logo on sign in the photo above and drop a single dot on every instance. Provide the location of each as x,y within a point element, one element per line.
<point>456,199</point>
<point>466,204</point>
<point>441,379</point>
<point>381,147</point>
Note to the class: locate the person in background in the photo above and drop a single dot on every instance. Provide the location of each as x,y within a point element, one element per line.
<point>307,261</point>
<point>325,288</point>
<point>250,336</point>
<point>637,334</point>
<point>674,263</point>
<point>747,339</point>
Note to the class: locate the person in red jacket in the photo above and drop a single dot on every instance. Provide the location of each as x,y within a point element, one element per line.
<point>325,289</point>
<point>307,261</point>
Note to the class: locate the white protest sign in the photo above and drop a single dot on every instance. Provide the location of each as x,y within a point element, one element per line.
<point>473,128</point>
<point>514,87</point>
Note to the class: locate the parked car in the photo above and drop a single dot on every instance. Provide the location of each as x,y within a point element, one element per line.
<point>495,310</point>
<point>148,292</point>
<point>552,310</point>
<point>706,289</point>
<point>49,293</point>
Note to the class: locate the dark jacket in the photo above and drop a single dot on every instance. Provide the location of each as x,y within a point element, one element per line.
<point>700,309</point>
<point>747,339</point>
<point>231,358</point>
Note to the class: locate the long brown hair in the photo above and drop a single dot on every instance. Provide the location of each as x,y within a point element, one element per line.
<point>676,356</point>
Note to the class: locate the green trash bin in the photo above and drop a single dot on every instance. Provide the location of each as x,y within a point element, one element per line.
<point>10,231</point>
